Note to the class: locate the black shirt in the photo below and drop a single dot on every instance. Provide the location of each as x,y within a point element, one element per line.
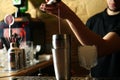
<point>101,24</point>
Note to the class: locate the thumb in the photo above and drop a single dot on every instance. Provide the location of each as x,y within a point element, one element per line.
<point>46,0</point>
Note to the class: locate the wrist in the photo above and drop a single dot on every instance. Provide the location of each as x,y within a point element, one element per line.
<point>72,17</point>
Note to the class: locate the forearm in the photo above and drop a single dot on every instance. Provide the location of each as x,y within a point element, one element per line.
<point>84,35</point>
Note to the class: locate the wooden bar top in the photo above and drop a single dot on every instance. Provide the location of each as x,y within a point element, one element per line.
<point>26,71</point>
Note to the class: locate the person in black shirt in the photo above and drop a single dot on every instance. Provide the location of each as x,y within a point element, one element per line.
<point>102,24</point>
<point>103,31</point>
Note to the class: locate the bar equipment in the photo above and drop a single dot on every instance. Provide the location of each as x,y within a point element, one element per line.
<point>87,56</point>
<point>9,19</point>
<point>61,53</point>
<point>53,1</point>
<point>29,52</point>
<point>22,7</point>
<point>16,57</point>
<point>61,41</point>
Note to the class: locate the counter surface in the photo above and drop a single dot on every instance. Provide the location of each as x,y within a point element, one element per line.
<point>53,78</point>
<point>26,71</point>
<point>41,78</point>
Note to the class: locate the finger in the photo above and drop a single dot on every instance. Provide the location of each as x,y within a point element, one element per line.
<point>46,0</point>
<point>42,7</point>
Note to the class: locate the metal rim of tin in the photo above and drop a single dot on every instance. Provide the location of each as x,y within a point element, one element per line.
<point>60,36</point>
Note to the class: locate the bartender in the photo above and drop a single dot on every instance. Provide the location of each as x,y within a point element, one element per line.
<point>103,31</point>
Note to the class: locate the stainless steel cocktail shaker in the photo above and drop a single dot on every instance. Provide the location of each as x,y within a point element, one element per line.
<point>16,57</point>
<point>61,41</point>
<point>61,52</point>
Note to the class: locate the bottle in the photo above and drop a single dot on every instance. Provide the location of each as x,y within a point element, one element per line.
<point>22,7</point>
<point>17,3</point>
<point>15,57</point>
<point>1,44</point>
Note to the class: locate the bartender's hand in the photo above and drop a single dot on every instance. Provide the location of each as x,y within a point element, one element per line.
<point>53,9</point>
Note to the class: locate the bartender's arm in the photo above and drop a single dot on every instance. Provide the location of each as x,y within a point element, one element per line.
<point>105,45</point>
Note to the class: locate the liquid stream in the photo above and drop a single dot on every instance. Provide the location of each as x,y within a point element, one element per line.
<point>59,23</point>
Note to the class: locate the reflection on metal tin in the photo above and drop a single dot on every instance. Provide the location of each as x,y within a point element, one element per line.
<point>16,57</point>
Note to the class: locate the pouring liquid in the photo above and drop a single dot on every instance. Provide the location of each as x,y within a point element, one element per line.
<point>59,23</point>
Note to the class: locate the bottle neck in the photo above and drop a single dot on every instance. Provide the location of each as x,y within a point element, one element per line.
<point>18,13</point>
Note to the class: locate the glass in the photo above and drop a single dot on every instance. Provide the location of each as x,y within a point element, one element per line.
<point>28,47</point>
<point>36,48</point>
<point>87,58</point>
<point>3,57</point>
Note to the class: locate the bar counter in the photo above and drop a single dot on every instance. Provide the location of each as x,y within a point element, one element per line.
<point>41,78</point>
<point>76,70</point>
<point>26,71</point>
<point>53,78</point>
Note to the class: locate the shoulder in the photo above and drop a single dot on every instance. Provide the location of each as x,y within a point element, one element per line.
<point>95,20</point>
<point>96,16</point>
